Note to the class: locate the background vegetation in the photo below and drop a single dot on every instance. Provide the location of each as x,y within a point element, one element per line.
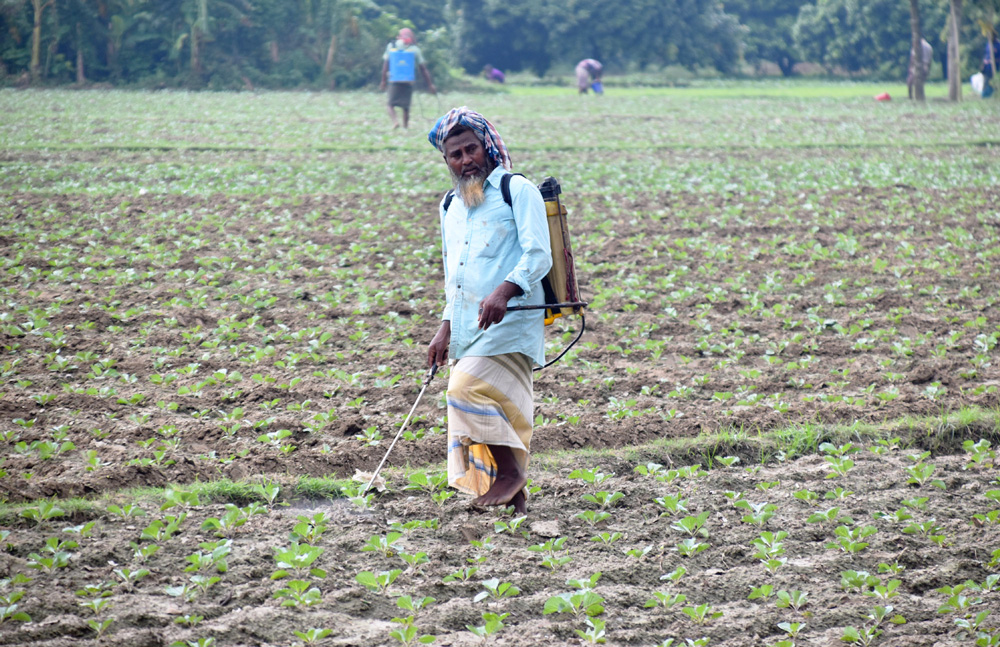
<point>318,44</point>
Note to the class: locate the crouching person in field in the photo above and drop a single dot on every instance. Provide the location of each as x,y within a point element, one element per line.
<point>495,255</point>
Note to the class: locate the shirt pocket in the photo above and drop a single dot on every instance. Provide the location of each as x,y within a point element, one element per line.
<point>495,233</point>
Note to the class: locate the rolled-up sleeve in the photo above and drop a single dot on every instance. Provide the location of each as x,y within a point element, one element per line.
<point>532,234</point>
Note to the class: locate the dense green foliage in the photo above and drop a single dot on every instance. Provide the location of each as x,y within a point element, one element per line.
<point>323,44</point>
<point>517,34</point>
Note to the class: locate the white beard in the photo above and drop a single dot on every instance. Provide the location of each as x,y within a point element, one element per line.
<point>471,189</point>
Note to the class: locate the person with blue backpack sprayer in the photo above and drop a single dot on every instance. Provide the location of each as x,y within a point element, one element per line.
<point>400,62</point>
<point>588,76</point>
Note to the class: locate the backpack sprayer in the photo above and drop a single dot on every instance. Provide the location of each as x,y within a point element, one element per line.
<point>562,294</point>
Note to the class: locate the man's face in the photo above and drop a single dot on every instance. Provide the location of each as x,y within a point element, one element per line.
<point>466,156</point>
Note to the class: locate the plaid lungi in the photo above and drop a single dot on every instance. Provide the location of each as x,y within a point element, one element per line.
<point>489,403</point>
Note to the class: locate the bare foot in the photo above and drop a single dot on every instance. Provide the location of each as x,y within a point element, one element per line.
<point>504,491</point>
<point>519,502</point>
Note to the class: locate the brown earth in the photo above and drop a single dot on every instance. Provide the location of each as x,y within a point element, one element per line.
<point>107,299</point>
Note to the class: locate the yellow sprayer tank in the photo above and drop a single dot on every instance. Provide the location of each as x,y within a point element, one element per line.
<point>561,289</point>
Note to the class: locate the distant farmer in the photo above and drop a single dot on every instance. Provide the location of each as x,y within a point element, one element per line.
<point>399,69</point>
<point>494,254</point>
<point>493,74</point>
<point>588,74</point>
<point>927,55</point>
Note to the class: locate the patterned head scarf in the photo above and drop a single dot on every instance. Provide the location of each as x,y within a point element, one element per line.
<point>487,134</point>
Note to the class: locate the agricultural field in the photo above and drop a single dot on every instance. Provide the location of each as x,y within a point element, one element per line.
<point>779,427</point>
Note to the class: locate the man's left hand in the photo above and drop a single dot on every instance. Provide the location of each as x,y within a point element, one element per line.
<point>493,308</point>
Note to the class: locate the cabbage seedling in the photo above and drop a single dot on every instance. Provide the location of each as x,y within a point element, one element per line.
<point>701,614</point>
<point>492,623</point>
<point>693,526</point>
<point>298,559</point>
<point>691,547</point>
<point>385,545</point>
<point>497,590</point>
<point>461,575</point>
<point>672,504</point>
<point>666,600</point>
<point>8,606</point>
<point>408,632</point>
<point>604,499</point>
<point>792,599</point>
<point>298,593</point>
<point>379,583</point>
<point>44,511</point>
<point>595,631</point>
<point>578,603</point>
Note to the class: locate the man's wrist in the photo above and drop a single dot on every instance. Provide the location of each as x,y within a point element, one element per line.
<point>511,289</point>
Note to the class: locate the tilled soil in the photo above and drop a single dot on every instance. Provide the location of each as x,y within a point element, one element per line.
<point>159,340</point>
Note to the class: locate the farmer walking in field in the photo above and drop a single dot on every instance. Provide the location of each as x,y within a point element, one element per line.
<point>496,252</point>
<point>399,73</point>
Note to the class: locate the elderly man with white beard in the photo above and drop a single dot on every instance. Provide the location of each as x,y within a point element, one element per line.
<point>495,254</point>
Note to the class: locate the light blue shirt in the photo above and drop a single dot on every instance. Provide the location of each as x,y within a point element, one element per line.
<point>484,246</point>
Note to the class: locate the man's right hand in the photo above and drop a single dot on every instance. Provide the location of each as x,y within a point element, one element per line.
<point>437,352</point>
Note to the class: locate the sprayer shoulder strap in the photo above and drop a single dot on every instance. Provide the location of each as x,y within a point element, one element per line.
<point>504,191</point>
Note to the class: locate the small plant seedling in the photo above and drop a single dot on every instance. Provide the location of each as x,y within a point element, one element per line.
<point>808,496</point>
<point>298,559</point>
<point>701,614</point>
<point>792,600</point>
<point>377,582</point>
<point>513,526</point>
<point>584,603</point>
<point>461,575</point>
<point>8,606</point>
<point>923,473</point>
<point>693,526</point>
<point>43,511</point>
<point>496,590</point>
<point>492,624</point>
<point>594,633</point>
<point>762,592</point>
<point>127,511</point>
<point>593,517</point>
<point>849,540</point>
<point>591,476</point>
<point>298,593</point>
<point>604,499</point>
<point>691,547</point>
<point>863,636</point>
<point>408,633</point>
<point>671,505</point>
<point>666,600</point>
<point>312,636</point>
<point>384,545</point>
<point>607,538</point>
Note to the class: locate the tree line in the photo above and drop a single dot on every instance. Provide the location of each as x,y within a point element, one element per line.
<point>224,44</point>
